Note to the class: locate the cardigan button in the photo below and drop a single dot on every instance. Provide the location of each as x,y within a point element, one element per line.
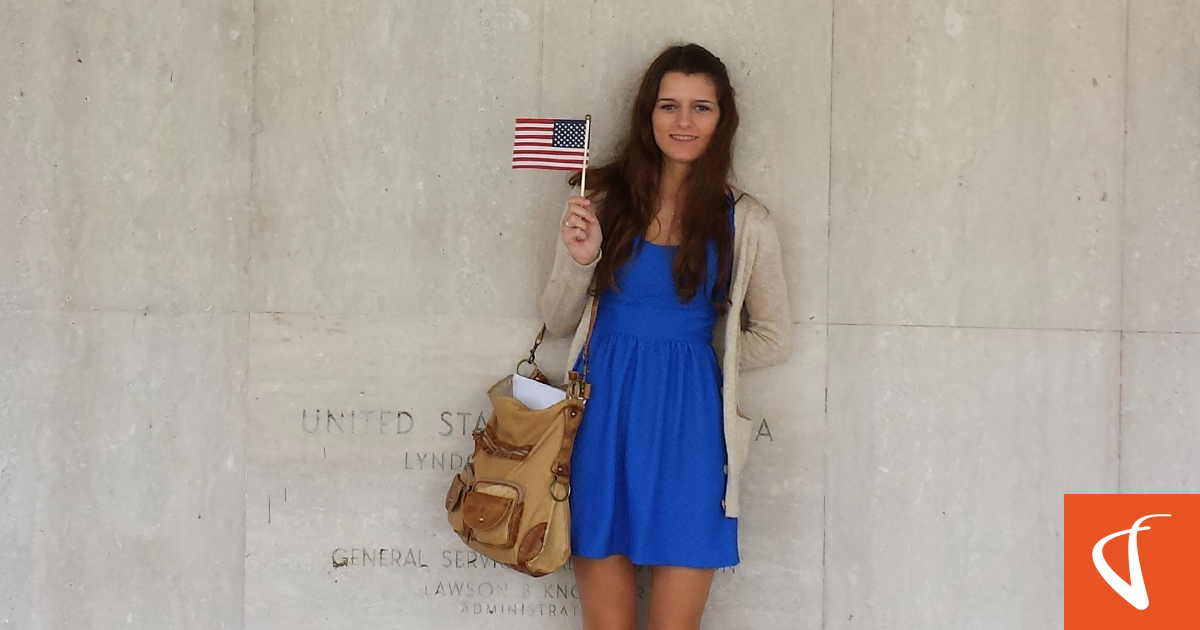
<point>722,504</point>
<point>725,468</point>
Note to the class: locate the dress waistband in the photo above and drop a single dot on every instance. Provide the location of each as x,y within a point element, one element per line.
<point>681,323</point>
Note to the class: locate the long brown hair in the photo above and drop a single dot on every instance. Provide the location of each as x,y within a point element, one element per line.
<point>629,184</point>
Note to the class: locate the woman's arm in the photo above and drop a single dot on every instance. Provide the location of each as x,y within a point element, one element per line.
<point>566,292</point>
<point>768,339</point>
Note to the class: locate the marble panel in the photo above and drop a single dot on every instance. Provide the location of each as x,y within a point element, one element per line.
<point>125,155</point>
<point>949,455</point>
<point>383,172</point>
<point>29,357</point>
<point>128,474</point>
<point>977,161</point>
<point>1160,413</point>
<point>1162,168</point>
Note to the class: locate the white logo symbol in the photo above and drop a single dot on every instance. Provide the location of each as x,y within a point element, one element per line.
<point>1135,591</point>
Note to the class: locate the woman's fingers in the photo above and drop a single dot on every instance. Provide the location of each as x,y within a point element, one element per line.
<point>578,215</point>
<point>580,218</point>
<point>574,228</point>
<point>579,224</point>
<point>581,205</point>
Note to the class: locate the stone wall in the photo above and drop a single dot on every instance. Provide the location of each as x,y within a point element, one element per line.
<point>260,259</point>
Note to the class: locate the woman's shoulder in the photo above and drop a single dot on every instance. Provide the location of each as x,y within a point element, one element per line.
<point>747,205</point>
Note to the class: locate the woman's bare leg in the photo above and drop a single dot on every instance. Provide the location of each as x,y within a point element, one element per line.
<point>607,592</point>
<point>678,596</point>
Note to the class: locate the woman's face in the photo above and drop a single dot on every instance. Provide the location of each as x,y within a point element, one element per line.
<point>685,115</point>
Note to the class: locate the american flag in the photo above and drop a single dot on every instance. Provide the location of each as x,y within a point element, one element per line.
<point>550,143</point>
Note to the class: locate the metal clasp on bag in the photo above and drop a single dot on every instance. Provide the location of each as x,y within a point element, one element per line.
<point>536,374</point>
<point>575,389</point>
<point>566,493</point>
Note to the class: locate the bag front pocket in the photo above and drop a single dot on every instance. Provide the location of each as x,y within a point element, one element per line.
<point>455,495</point>
<point>492,510</point>
<point>454,499</point>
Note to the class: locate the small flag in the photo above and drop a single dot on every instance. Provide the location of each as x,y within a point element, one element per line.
<point>550,143</point>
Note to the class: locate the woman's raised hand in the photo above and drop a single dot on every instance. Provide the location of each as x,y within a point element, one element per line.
<point>581,230</point>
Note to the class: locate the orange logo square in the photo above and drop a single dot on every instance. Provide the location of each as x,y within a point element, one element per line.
<point>1131,561</point>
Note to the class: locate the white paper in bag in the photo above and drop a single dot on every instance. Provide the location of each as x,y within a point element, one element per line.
<point>535,394</point>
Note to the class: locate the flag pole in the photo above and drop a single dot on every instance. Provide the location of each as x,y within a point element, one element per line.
<point>587,135</point>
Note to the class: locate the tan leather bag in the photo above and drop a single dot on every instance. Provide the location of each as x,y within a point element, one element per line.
<point>510,500</point>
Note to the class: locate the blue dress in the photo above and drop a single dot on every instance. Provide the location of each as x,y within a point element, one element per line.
<point>648,465</point>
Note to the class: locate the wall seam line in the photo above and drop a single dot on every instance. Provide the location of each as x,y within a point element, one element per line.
<point>250,209</point>
<point>828,263</point>
<point>1121,249</point>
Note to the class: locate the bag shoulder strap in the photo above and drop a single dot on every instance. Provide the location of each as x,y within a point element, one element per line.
<point>587,342</point>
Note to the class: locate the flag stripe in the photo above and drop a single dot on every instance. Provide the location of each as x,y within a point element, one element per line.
<point>578,163</point>
<point>546,167</point>
<point>546,158</point>
<point>577,155</point>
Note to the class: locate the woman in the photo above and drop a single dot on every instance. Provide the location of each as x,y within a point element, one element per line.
<point>661,446</point>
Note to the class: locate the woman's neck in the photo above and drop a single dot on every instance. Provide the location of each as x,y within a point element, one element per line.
<point>673,174</point>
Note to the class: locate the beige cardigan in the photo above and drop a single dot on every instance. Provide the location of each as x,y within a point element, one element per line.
<point>759,296</point>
